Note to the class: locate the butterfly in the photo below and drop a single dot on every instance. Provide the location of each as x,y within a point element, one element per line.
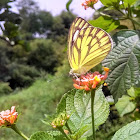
<point>87,46</point>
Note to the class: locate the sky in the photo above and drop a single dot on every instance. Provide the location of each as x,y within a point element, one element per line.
<point>56,6</point>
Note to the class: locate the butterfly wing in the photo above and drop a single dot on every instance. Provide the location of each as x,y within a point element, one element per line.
<point>77,25</point>
<point>89,48</point>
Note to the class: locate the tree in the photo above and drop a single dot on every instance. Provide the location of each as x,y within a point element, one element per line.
<point>11,21</point>
<point>61,25</point>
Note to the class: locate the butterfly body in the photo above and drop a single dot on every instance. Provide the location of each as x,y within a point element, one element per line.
<point>87,46</point>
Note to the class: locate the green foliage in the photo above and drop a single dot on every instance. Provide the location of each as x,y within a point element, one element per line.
<point>41,136</point>
<point>38,22</point>
<point>5,88</point>
<point>129,102</point>
<point>43,57</point>
<point>129,2</point>
<point>110,2</point>
<point>22,75</point>
<point>11,30</point>
<point>131,131</point>
<point>5,57</point>
<point>6,14</point>
<point>11,20</point>
<point>77,104</point>
<point>49,135</point>
<point>106,23</point>
<point>113,124</point>
<point>125,105</point>
<point>61,25</point>
<point>22,64</point>
<point>14,71</point>
<point>123,62</point>
<point>32,103</point>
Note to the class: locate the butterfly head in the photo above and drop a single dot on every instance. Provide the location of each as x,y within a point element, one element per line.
<point>73,74</point>
<point>77,72</point>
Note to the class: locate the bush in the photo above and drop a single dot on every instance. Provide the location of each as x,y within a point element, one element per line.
<point>5,88</point>
<point>44,56</point>
<point>22,75</point>
<point>5,60</point>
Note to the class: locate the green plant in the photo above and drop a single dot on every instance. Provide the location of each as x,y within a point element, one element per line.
<point>81,112</point>
<point>43,56</point>
<point>5,88</point>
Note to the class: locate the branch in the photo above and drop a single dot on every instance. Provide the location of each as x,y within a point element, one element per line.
<point>7,41</point>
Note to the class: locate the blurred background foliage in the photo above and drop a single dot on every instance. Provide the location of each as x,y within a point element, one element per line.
<point>34,67</point>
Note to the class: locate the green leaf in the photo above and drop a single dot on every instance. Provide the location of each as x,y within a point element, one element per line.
<point>41,136</point>
<point>137,91</point>
<point>129,2</point>
<point>110,2</point>
<point>131,92</point>
<point>47,135</point>
<point>106,23</point>
<point>134,91</point>
<point>122,27</point>
<point>68,4</point>
<point>77,104</point>
<point>124,105</point>
<point>124,62</point>
<point>137,4</point>
<point>137,115</point>
<point>129,132</point>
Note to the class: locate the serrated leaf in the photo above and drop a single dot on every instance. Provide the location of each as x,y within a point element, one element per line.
<point>124,105</point>
<point>68,4</point>
<point>124,62</point>
<point>47,135</point>
<point>77,105</point>
<point>110,2</point>
<point>129,132</point>
<point>106,23</point>
<point>41,136</point>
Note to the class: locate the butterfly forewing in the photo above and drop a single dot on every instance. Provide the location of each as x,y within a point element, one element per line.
<point>77,25</point>
<point>90,47</point>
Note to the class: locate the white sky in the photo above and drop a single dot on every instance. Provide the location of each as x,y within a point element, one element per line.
<point>56,6</point>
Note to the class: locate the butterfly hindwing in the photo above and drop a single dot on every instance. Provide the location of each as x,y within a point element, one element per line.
<point>88,47</point>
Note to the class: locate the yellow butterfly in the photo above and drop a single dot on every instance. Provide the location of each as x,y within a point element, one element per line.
<point>87,46</point>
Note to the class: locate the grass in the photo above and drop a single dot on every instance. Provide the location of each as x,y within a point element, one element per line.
<point>32,103</point>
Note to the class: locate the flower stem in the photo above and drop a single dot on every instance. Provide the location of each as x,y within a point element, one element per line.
<point>68,128</point>
<point>92,112</point>
<point>62,131</point>
<point>14,127</point>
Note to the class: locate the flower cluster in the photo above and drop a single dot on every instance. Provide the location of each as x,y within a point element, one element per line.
<point>60,121</point>
<point>8,117</point>
<point>89,3</point>
<point>90,80</point>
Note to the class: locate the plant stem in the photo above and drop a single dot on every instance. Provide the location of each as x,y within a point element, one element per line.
<point>14,127</point>
<point>133,25</point>
<point>62,131</point>
<point>92,113</point>
<point>134,21</point>
<point>68,127</point>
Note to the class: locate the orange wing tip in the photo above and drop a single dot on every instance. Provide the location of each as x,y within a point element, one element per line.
<point>105,84</point>
<point>106,69</point>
